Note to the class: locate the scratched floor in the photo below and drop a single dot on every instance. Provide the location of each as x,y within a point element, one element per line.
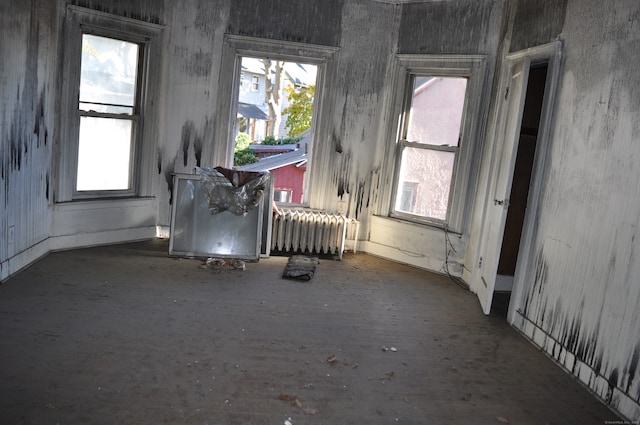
<point>125,335</point>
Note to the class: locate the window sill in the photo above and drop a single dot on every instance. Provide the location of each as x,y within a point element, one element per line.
<point>422,224</point>
<point>93,203</point>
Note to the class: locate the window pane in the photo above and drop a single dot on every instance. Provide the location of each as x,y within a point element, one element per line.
<point>436,110</point>
<point>424,182</point>
<point>108,71</point>
<point>104,154</point>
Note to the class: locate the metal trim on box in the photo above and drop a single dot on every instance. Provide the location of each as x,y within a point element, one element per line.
<point>195,232</point>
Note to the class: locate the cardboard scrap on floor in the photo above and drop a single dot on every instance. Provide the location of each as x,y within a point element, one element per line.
<point>300,267</point>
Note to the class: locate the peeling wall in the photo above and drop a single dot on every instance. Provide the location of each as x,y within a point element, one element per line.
<point>537,23</point>
<point>347,158</point>
<point>27,126</point>
<point>449,27</point>
<point>314,22</point>
<point>152,11</point>
<point>580,301</point>
<point>193,47</point>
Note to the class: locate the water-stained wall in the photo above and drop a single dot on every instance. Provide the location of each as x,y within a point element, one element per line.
<point>192,69</point>
<point>347,157</point>
<point>581,297</point>
<point>27,128</point>
<point>191,57</point>
<point>449,27</point>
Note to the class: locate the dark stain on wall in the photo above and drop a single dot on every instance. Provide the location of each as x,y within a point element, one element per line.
<point>197,148</point>
<point>196,63</point>
<point>143,10</point>
<point>188,131</point>
<point>342,175</point>
<point>337,142</point>
<point>39,119</point>
<point>16,152</point>
<point>537,22</point>
<point>360,192</point>
<point>597,363</point>
<point>206,20</point>
<point>633,368</point>
<point>168,177</point>
<point>613,383</point>
<point>304,22</point>
<point>192,137</point>
<point>159,159</point>
<point>540,279</point>
<point>46,185</point>
<point>445,27</point>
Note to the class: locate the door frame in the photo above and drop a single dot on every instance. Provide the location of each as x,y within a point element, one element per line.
<point>550,54</point>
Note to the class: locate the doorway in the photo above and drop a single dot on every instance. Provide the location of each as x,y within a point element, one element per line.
<point>519,194</point>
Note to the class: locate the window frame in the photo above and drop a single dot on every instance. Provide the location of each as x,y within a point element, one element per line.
<point>234,48</point>
<point>408,67</point>
<point>80,21</point>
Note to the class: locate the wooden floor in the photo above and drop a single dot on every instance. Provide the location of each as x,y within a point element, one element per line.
<point>125,335</point>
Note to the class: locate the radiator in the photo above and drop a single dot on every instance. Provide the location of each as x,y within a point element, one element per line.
<point>312,231</point>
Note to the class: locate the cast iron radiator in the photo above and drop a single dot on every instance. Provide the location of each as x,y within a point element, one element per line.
<point>311,231</point>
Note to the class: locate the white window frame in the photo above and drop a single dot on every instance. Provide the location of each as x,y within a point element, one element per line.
<point>471,67</point>
<point>80,21</point>
<point>235,47</point>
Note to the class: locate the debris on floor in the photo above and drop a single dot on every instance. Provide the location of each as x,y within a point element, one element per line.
<point>296,402</point>
<point>300,267</point>
<point>216,265</point>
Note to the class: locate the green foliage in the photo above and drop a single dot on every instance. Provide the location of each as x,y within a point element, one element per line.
<point>300,109</point>
<point>242,154</point>
<point>244,157</point>
<point>243,140</point>
<point>270,140</point>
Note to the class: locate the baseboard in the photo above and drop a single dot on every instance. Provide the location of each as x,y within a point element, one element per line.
<point>613,397</point>
<point>107,237</point>
<point>18,262</point>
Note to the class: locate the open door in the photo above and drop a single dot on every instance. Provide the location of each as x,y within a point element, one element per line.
<point>498,203</point>
<point>523,137</point>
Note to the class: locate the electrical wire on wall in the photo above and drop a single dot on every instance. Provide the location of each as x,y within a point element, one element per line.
<point>449,248</point>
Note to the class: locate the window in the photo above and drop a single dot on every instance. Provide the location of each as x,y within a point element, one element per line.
<point>279,122</point>
<point>239,52</point>
<point>429,146</point>
<point>435,142</point>
<point>107,143</point>
<point>109,113</point>
<point>255,83</point>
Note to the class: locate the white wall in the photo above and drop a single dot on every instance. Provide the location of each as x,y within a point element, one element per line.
<point>581,302</point>
<point>28,49</point>
<point>578,300</point>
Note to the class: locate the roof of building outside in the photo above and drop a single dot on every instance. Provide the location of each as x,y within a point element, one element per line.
<point>298,157</point>
<point>249,110</point>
